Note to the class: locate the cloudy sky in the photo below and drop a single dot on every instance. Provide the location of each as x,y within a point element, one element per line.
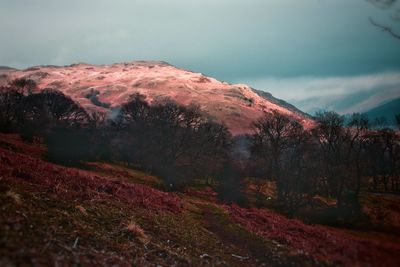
<point>313,53</point>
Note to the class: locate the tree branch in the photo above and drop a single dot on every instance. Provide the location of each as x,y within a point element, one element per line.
<point>385,28</point>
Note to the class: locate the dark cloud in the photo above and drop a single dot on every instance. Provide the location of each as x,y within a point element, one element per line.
<point>232,40</point>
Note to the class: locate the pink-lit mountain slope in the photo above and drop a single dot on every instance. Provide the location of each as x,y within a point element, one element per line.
<point>103,87</point>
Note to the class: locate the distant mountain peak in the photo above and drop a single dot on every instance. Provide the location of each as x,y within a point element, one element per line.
<point>387,110</point>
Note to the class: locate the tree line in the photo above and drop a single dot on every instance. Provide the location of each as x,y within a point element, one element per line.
<point>336,159</point>
<point>177,143</point>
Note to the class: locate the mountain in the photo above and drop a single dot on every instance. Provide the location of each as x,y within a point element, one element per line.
<point>387,110</point>
<point>6,68</point>
<point>104,87</point>
<point>3,74</point>
<point>281,102</point>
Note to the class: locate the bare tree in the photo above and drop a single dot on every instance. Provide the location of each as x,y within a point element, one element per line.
<point>41,111</point>
<point>10,100</point>
<point>330,134</point>
<point>23,85</point>
<point>273,135</point>
<point>390,141</point>
<point>358,137</point>
<point>394,13</point>
<point>176,142</point>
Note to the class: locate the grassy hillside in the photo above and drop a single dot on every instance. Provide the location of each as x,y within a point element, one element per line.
<point>111,215</point>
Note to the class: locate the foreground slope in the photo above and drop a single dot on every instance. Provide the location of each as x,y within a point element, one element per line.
<point>103,87</point>
<point>53,215</point>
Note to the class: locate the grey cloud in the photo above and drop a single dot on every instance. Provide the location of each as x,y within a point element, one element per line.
<point>343,94</point>
<point>232,40</point>
<point>228,39</point>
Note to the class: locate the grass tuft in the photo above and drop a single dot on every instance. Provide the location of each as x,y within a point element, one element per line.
<point>137,232</point>
<point>14,196</point>
<point>81,210</point>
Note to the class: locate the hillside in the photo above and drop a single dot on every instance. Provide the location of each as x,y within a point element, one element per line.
<point>104,87</point>
<point>387,110</point>
<point>111,215</point>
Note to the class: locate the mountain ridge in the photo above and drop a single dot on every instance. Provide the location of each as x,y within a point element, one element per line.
<point>386,110</point>
<point>104,87</point>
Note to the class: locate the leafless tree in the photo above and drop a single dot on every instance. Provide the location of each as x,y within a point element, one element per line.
<point>10,100</point>
<point>330,134</point>
<point>23,85</point>
<point>281,144</point>
<point>394,13</point>
<point>359,127</point>
<point>176,142</point>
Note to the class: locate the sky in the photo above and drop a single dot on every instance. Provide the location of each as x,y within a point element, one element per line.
<point>315,54</point>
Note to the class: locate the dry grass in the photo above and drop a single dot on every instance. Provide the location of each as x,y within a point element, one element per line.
<point>81,210</point>
<point>72,183</point>
<point>325,244</point>
<point>106,213</point>
<point>14,196</point>
<point>124,174</point>
<point>14,142</point>
<point>137,232</point>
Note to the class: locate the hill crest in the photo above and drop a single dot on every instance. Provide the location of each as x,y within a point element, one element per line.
<point>103,87</point>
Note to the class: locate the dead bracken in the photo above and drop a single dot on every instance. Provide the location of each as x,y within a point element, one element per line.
<point>137,232</point>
